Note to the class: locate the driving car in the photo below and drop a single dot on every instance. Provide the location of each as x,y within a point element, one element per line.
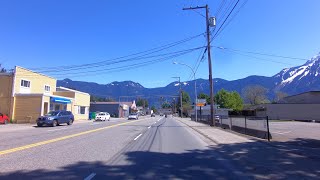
<point>133,116</point>
<point>55,118</point>
<point>4,119</point>
<point>102,116</point>
<point>153,115</point>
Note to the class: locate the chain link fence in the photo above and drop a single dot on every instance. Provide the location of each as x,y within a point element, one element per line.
<point>257,126</point>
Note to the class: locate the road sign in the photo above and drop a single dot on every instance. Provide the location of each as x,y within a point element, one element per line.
<point>201,102</point>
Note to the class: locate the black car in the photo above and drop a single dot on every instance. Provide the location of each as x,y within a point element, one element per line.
<point>55,118</point>
<point>153,115</point>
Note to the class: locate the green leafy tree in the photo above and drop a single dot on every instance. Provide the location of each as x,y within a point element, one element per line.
<point>142,102</point>
<point>231,100</point>
<point>204,96</point>
<point>166,105</point>
<point>186,100</point>
<point>154,109</point>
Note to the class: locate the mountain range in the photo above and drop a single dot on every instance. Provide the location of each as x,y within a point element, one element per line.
<point>290,81</point>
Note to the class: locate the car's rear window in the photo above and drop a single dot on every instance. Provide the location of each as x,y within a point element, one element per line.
<point>101,114</point>
<point>52,113</point>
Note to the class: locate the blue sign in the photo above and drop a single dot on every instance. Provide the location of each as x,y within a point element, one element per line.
<point>60,100</point>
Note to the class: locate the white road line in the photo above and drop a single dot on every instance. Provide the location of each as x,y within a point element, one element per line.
<point>285,132</point>
<point>154,122</point>
<point>57,129</point>
<point>90,176</point>
<point>95,124</point>
<point>149,127</point>
<point>137,137</point>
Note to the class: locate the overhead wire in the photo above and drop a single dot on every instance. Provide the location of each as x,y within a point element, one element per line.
<point>262,54</point>
<point>235,14</point>
<point>127,67</point>
<point>146,52</point>
<point>234,6</point>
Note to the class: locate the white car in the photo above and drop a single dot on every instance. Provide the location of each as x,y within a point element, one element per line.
<point>133,116</point>
<point>102,116</point>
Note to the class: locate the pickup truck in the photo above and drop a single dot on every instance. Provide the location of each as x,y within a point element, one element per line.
<point>4,119</point>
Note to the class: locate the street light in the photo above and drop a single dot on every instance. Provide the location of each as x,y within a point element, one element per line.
<point>195,86</point>
<point>180,94</point>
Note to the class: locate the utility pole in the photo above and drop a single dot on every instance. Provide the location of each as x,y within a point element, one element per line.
<point>212,123</point>
<point>180,94</point>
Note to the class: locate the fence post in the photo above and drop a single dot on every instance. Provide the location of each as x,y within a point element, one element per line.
<point>268,128</point>
<point>245,124</point>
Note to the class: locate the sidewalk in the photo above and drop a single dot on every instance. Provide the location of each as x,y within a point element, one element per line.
<point>217,135</point>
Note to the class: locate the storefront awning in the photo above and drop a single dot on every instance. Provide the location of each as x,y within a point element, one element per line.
<point>60,100</point>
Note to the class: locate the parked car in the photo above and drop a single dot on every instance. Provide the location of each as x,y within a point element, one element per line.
<point>133,116</point>
<point>55,118</point>
<point>161,114</point>
<point>4,119</point>
<point>102,116</point>
<point>153,115</point>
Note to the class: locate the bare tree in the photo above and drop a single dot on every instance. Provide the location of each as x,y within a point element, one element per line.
<point>255,94</point>
<point>279,95</point>
<point>2,69</point>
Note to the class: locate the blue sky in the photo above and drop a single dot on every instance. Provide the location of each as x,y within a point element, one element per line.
<point>49,33</point>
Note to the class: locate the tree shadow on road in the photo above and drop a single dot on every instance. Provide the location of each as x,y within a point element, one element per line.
<point>252,160</point>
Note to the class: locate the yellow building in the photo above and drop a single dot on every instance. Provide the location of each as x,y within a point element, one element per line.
<point>26,95</point>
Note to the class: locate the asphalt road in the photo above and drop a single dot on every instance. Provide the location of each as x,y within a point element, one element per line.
<point>148,148</point>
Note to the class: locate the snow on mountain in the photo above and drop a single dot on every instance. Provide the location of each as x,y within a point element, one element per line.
<point>300,78</point>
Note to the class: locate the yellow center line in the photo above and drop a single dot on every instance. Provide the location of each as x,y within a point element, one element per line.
<point>60,138</point>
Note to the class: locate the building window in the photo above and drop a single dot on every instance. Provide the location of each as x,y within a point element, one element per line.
<point>25,83</point>
<point>82,110</point>
<point>51,107</point>
<point>65,107</point>
<point>47,88</point>
<point>57,107</point>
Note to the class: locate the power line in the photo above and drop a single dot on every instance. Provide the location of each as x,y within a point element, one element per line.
<point>262,54</point>
<point>128,67</point>
<point>124,60</point>
<point>279,62</point>
<point>150,51</point>
<point>235,14</point>
<point>215,35</point>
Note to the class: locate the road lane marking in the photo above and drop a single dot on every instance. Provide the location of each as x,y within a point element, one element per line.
<point>149,127</point>
<point>56,129</point>
<point>137,137</point>
<point>95,124</point>
<point>61,138</point>
<point>285,132</point>
<point>90,176</point>
<point>154,122</point>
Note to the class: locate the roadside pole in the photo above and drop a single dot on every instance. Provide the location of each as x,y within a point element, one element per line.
<point>212,123</point>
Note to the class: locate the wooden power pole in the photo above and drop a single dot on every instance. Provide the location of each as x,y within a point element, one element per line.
<point>209,22</point>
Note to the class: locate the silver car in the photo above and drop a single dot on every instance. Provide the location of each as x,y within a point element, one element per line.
<point>133,116</point>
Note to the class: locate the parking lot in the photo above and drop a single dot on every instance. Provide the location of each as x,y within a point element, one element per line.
<point>304,133</point>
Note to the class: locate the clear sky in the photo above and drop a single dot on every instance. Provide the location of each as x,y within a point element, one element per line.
<point>54,33</point>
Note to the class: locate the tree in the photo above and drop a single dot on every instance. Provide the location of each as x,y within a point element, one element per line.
<point>204,96</point>
<point>255,94</point>
<point>279,95</point>
<point>166,105</point>
<point>231,100</point>
<point>2,69</point>
<point>142,102</point>
<point>185,103</point>
<point>153,108</point>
